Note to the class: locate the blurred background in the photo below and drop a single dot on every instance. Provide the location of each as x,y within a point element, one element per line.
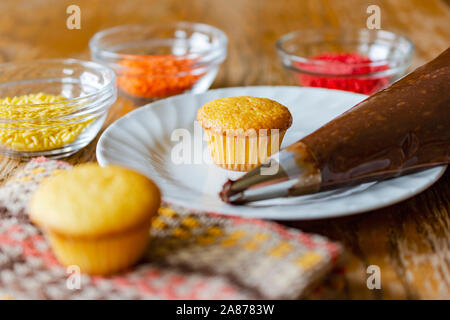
<point>37,28</point>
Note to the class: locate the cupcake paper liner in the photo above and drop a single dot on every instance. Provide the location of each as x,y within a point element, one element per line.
<point>242,152</point>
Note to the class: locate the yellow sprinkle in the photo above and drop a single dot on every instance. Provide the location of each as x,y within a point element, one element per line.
<point>308,260</point>
<point>40,127</point>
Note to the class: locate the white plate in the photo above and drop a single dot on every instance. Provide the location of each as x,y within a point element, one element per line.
<point>142,140</point>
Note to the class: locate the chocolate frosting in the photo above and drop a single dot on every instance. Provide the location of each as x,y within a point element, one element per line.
<point>401,129</point>
<point>397,130</point>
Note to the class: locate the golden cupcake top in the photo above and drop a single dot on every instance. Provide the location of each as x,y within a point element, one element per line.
<point>241,114</point>
<point>94,201</point>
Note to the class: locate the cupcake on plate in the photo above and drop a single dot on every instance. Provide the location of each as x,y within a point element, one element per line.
<point>242,132</point>
<point>96,218</point>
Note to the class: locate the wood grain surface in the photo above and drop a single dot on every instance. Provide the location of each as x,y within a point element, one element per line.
<point>410,241</point>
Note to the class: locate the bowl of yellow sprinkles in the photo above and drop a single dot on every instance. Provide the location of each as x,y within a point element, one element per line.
<point>52,107</point>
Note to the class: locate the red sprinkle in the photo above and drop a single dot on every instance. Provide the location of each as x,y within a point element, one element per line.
<point>343,64</point>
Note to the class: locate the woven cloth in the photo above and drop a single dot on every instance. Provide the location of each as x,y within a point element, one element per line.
<point>191,255</point>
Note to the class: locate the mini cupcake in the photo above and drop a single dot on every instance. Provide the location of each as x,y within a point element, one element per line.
<point>96,218</point>
<point>242,132</point>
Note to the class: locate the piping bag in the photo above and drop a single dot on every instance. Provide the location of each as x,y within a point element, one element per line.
<point>402,129</point>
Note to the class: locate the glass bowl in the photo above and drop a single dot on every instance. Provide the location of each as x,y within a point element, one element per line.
<point>362,61</point>
<point>157,61</point>
<point>52,107</point>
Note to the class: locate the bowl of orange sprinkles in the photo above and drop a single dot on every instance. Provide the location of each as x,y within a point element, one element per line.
<point>158,61</point>
<point>157,76</point>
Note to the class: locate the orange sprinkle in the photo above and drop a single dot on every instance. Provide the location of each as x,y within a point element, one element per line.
<point>157,76</point>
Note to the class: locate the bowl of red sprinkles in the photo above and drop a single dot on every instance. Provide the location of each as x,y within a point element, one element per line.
<point>361,60</point>
<point>157,61</point>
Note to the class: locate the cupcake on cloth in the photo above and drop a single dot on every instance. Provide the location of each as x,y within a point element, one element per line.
<point>191,255</point>
<point>242,132</point>
<point>96,218</point>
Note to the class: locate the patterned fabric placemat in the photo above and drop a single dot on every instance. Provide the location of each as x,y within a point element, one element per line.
<point>191,255</point>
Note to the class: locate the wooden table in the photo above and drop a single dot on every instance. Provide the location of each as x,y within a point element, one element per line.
<point>410,241</point>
